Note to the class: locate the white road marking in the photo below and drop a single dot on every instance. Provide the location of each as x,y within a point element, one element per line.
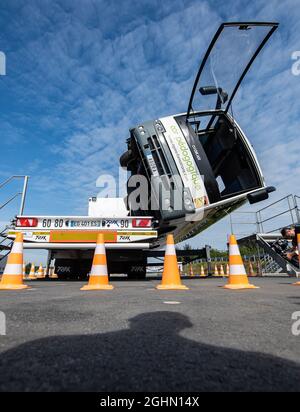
<point>172,303</point>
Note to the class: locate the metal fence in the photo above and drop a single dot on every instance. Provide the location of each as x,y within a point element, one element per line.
<point>5,243</point>
<point>15,195</point>
<point>286,213</point>
<point>269,219</point>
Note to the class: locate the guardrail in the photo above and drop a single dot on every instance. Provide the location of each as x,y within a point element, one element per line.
<point>22,194</point>
<point>286,211</point>
<point>290,208</point>
<point>297,206</point>
<point>252,225</point>
<point>5,244</point>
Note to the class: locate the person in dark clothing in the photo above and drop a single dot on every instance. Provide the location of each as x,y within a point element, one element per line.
<point>291,233</point>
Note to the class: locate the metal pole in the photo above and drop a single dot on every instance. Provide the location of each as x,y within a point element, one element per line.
<point>296,209</point>
<point>24,195</point>
<point>257,223</point>
<point>290,209</point>
<point>49,259</point>
<point>258,261</point>
<point>231,224</point>
<point>208,259</point>
<point>10,179</point>
<point>260,222</point>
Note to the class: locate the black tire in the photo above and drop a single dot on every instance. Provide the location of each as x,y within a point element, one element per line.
<point>126,158</point>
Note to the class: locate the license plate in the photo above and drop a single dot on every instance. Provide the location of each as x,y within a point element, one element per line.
<point>75,223</point>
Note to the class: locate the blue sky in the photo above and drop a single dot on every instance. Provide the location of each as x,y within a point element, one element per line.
<point>81,72</point>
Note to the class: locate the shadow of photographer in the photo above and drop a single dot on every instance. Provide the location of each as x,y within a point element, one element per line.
<point>149,356</point>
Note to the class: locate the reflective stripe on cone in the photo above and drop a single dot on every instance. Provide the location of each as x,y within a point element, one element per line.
<point>32,275</point>
<point>238,278</point>
<point>98,279</point>
<point>41,273</point>
<point>12,278</point>
<point>171,277</point>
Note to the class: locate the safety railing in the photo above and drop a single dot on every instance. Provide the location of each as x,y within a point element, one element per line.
<point>22,193</point>
<point>247,221</point>
<point>297,207</point>
<point>269,219</point>
<point>265,223</point>
<point>287,213</point>
<point>10,200</point>
<point>5,244</point>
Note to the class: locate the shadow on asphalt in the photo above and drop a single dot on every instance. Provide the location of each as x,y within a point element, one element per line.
<point>116,278</point>
<point>296,299</point>
<point>149,356</point>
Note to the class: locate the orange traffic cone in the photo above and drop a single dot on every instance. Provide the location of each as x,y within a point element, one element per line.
<point>298,239</point>
<point>216,272</point>
<point>171,277</point>
<point>251,270</point>
<point>238,278</point>
<point>40,274</point>
<point>32,275</point>
<point>191,271</point>
<point>227,270</point>
<point>98,279</point>
<point>222,271</point>
<point>13,273</point>
<point>202,272</point>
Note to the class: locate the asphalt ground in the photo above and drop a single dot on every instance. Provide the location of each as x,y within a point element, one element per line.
<point>136,338</point>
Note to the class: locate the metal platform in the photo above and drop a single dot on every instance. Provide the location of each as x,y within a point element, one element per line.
<point>266,225</point>
<point>275,261</point>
